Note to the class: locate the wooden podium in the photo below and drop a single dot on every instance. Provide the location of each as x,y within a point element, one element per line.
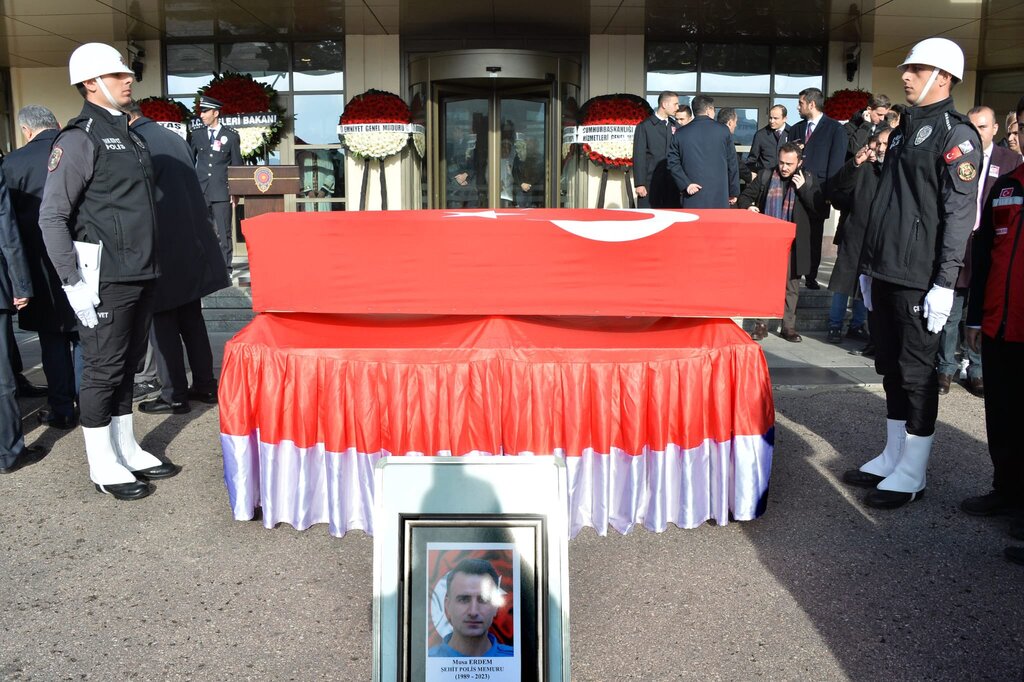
<point>263,187</point>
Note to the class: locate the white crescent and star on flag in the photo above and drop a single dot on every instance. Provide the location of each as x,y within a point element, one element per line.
<point>602,230</point>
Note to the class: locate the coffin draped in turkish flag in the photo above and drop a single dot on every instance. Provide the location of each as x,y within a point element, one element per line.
<point>642,262</point>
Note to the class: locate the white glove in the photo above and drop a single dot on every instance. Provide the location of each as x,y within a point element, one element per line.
<point>83,301</point>
<point>865,291</point>
<point>938,302</point>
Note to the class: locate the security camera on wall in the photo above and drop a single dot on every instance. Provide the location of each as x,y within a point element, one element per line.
<point>852,61</point>
<point>136,54</point>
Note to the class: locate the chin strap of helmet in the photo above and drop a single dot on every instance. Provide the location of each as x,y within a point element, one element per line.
<point>106,93</point>
<point>927,86</point>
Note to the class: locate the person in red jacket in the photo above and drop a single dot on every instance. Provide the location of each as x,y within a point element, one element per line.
<point>995,322</point>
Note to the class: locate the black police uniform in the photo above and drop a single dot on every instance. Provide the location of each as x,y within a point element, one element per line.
<point>924,210</point>
<point>99,190</point>
<point>212,160</point>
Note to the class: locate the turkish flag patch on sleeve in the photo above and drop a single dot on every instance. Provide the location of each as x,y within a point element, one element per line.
<point>952,155</point>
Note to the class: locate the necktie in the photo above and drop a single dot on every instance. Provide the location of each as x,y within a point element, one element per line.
<point>986,159</point>
<point>810,131</point>
<point>211,136</point>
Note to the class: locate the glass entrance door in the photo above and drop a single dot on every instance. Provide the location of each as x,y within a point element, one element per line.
<point>751,114</point>
<point>493,150</point>
<point>465,137</point>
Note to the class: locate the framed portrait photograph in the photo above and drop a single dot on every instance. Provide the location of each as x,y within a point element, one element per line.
<point>470,569</point>
<point>472,594</point>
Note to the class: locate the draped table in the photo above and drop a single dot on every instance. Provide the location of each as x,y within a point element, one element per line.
<point>659,419</point>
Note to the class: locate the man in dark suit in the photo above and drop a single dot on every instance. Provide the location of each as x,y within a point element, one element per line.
<point>15,292</point>
<point>654,185</point>
<point>825,143</point>
<point>216,147</point>
<point>702,160</point>
<point>48,313</point>
<point>190,269</point>
<point>764,150</point>
<point>996,163</point>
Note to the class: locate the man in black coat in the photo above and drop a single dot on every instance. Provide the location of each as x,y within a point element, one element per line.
<point>852,191</point>
<point>654,185</point>
<point>764,150</point>
<point>48,313</point>
<point>788,193</point>
<point>702,160</point>
<point>216,147</point>
<point>867,123</point>
<point>190,268</point>
<point>996,162</point>
<point>825,143</point>
<point>15,292</point>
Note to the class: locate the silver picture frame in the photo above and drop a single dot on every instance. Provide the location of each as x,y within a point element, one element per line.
<point>473,535</point>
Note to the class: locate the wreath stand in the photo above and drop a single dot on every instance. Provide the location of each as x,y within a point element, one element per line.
<point>366,185</point>
<point>603,187</point>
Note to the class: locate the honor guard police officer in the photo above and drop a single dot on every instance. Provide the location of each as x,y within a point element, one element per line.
<point>215,148</point>
<point>99,191</point>
<point>924,210</point>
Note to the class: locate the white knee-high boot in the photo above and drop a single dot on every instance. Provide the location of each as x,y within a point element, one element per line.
<point>895,441</point>
<point>909,475</point>
<point>105,467</point>
<point>129,452</point>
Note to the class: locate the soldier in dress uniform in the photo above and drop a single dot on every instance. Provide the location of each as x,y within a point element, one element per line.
<point>216,147</point>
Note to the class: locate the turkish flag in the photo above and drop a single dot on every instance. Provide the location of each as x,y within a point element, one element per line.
<point>591,262</point>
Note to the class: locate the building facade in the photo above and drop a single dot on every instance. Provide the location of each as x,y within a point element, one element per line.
<point>483,75</point>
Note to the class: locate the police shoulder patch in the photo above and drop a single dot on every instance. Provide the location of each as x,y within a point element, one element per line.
<point>966,171</point>
<point>55,155</point>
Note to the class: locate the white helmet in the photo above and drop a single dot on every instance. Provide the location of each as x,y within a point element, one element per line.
<point>93,60</point>
<point>940,53</point>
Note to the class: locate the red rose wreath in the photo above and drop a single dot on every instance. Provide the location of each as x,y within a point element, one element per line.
<point>612,110</point>
<point>843,105</point>
<point>163,110</point>
<point>375,126</point>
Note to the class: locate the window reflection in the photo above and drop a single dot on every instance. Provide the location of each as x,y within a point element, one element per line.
<point>671,66</point>
<point>267,63</point>
<point>465,157</point>
<point>736,69</point>
<point>316,118</point>
<point>319,66</point>
<point>658,81</point>
<point>322,173</point>
<point>798,67</point>
<point>189,67</point>
<point>523,159</point>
